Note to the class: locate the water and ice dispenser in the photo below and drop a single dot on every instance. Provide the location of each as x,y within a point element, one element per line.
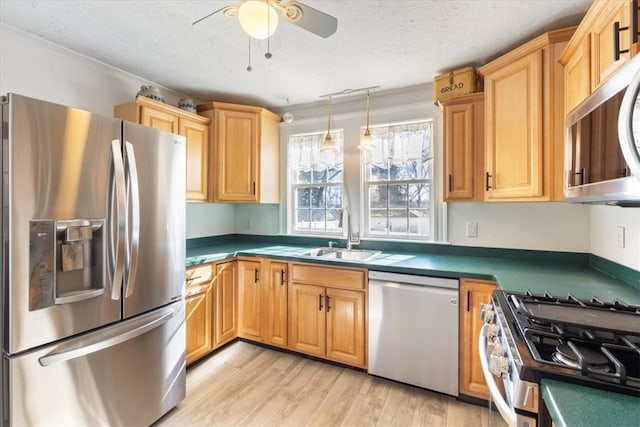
<point>66,261</point>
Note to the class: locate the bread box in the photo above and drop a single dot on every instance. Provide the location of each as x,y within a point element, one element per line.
<point>454,83</point>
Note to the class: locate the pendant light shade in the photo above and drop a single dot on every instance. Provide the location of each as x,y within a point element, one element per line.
<point>366,142</point>
<point>328,145</point>
<point>258,19</point>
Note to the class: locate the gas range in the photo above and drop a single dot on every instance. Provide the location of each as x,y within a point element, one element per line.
<point>530,337</point>
<point>589,342</point>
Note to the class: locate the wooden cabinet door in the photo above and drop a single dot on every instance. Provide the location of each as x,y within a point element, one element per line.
<point>577,75</point>
<point>514,134</point>
<point>472,294</point>
<point>158,119</point>
<point>226,303</point>
<point>249,291</point>
<point>199,311</point>
<point>463,148</point>
<point>603,53</point>
<point>237,135</point>
<point>345,326</point>
<point>307,319</point>
<point>274,304</point>
<point>197,136</point>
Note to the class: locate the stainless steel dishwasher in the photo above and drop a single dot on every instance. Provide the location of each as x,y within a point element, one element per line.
<point>413,330</point>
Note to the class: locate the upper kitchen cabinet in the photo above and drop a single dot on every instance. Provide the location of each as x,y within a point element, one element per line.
<point>246,152</point>
<point>195,128</point>
<point>463,147</point>
<point>524,121</point>
<point>604,41</point>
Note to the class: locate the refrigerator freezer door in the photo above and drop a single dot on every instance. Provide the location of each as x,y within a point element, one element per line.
<point>56,170</point>
<point>155,170</point>
<point>130,373</point>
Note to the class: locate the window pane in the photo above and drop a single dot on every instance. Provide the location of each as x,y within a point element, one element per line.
<point>333,219</point>
<point>317,197</point>
<point>302,219</point>
<point>398,196</point>
<point>302,177</point>
<point>419,195</point>
<point>398,221</point>
<point>398,173</point>
<point>318,220</point>
<point>420,222</point>
<point>303,196</point>
<point>334,197</point>
<point>378,222</point>
<point>320,176</point>
<point>377,196</point>
<point>378,171</point>
<point>334,175</point>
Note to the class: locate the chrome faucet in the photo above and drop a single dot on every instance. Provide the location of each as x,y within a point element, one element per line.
<point>350,242</point>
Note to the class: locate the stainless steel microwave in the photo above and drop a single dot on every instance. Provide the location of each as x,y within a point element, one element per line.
<point>603,143</point>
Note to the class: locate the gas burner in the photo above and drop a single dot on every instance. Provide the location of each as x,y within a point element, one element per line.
<point>595,361</point>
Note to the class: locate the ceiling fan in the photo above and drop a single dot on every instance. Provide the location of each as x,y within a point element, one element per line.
<point>259,19</point>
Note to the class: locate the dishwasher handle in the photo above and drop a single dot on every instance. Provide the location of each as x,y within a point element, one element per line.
<point>410,279</point>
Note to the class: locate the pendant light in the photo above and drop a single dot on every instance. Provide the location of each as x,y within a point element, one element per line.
<point>328,145</point>
<point>366,142</point>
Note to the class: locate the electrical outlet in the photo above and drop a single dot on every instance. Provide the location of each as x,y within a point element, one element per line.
<point>247,223</point>
<point>620,237</point>
<point>472,229</point>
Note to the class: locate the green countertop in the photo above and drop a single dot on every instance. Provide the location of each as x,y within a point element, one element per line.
<point>559,278</point>
<point>572,405</point>
<point>569,404</point>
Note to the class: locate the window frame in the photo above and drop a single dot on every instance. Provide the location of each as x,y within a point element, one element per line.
<point>292,186</point>
<point>432,181</point>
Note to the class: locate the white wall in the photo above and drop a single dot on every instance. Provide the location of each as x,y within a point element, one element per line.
<point>33,67</point>
<point>605,221</point>
<point>541,226</point>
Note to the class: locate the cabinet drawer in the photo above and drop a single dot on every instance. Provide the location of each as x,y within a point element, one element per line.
<point>329,276</point>
<point>198,275</point>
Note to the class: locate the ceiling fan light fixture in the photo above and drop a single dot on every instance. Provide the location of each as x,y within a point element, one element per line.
<point>258,19</point>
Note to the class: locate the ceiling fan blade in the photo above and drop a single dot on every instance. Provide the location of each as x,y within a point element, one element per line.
<point>227,10</point>
<point>310,19</point>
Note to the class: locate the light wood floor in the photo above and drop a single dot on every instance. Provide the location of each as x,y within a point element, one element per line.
<point>249,385</point>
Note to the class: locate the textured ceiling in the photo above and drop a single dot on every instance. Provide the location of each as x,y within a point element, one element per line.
<point>388,43</point>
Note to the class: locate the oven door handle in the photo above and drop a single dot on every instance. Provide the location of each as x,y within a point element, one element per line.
<point>508,413</point>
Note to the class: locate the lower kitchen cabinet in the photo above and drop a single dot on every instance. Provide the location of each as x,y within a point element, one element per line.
<point>199,312</point>
<point>274,303</point>
<point>249,296</point>
<point>325,320</point>
<point>226,303</point>
<point>473,293</point>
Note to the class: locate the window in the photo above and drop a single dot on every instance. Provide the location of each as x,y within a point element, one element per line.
<point>398,181</point>
<point>315,183</point>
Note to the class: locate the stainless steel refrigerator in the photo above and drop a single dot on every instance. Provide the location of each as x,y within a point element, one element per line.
<point>93,254</point>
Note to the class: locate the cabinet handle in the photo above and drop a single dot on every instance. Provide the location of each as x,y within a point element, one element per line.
<point>468,296</point>
<point>282,281</point>
<point>328,305</point>
<point>450,182</point>
<point>623,173</point>
<point>191,279</point>
<point>634,21</point>
<point>582,174</point>
<point>256,275</point>
<point>616,40</point>
<point>253,188</point>
<point>486,182</point>
<point>320,302</point>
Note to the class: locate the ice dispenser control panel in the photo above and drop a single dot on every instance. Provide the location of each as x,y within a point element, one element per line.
<point>66,261</point>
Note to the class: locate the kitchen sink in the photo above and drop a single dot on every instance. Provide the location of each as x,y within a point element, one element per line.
<point>359,255</point>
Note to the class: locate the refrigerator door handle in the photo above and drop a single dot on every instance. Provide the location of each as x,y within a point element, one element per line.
<point>115,250</point>
<point>133,235</point>
<point>97,341</point>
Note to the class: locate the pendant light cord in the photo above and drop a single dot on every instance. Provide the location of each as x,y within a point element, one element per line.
<point>329,120</point>
<point>368,100</point>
